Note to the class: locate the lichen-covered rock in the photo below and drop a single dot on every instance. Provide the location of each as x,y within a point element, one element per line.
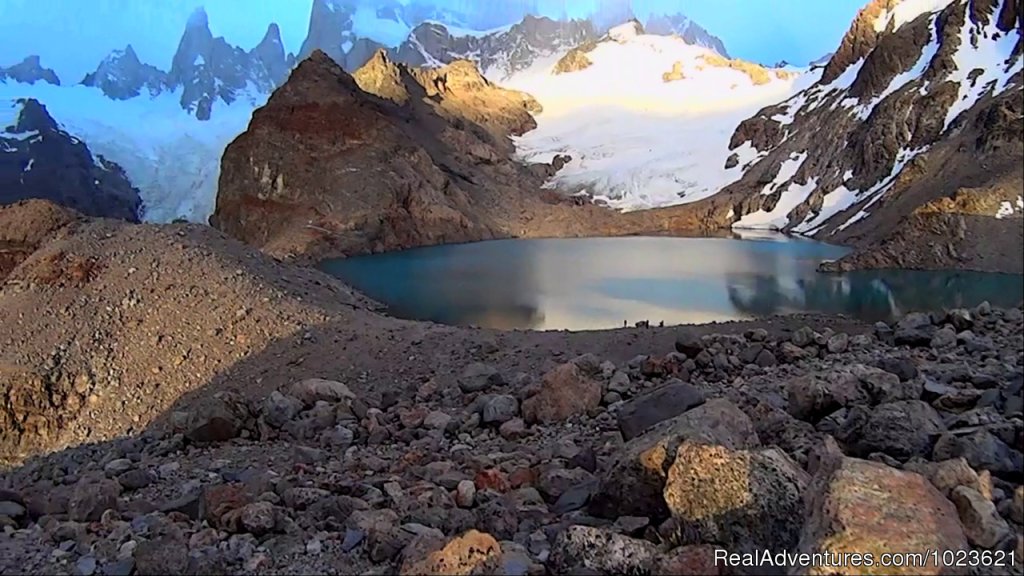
<point>601,550</point>
<point>744,500</point>
<point>634,483</point>
<point>471,553</point>
<point>860,506</point>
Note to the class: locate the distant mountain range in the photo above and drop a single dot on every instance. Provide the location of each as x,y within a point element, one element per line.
<point>206,70</point>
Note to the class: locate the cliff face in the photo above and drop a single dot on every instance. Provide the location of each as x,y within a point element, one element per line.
<point>328,168</point>
<point>913,108</point>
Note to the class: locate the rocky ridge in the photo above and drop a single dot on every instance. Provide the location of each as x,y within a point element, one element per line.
<point>498,54</point>
<point>515,454</point>
<point>29,71</point>
<point>916,121</point>
<point>682,26</point>
<point>38,159</point>
<point>205,70</point>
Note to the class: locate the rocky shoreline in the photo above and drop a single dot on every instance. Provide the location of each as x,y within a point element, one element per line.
<point>897,438</point>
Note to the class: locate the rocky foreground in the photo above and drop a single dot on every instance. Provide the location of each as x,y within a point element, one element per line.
<point>906,438</point>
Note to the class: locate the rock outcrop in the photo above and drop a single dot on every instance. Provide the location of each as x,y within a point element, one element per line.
<point>413,157</point>
<point>903,147</point>
<point>29,71</point>
<point>38,159</point>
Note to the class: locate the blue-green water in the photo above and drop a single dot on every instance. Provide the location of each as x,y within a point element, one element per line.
<point>592,283</point>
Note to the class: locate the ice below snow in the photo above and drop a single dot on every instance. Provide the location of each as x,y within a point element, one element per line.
<point>170,156</point>
<point>635,140</point>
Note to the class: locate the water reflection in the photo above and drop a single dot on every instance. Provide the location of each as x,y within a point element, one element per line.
<point>597,283</point>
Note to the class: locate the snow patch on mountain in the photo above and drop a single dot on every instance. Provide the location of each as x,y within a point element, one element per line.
<point>985,52</point>
<point>637,141</point>
<point>906,11</point>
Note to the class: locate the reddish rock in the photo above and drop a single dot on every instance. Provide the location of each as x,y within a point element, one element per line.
<point>867,507</point>
<point>565,392</point>
<point>522,477</point>
<point>491,479</point>
<point>221,499</point>
<point>697,559</point>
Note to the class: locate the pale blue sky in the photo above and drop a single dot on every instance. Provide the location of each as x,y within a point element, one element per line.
<point>74,35</point>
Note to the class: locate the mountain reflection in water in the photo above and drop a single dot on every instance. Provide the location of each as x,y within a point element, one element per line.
<point>595,283</point>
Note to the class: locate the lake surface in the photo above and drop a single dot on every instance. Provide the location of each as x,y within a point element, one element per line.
<point>595,283</point>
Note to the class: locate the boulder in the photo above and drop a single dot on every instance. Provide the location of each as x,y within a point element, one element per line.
<point>279,409</point>
<point>634,482</point>
<point>605,551</point>
<point>915,329</point>
<point>313,390</point>
<point>744,500</point>
<point>656,406</point>
<point>91,498</point>
<point>982,523</point>
<point>471,553</point>
<point>866,507</point>
<point>901,429</point>
<point>983,450</point>
<point>499,409</point>
<point>218,419</point>
<point>478,377</point>
<point>689,343</point>
<point>812,397</point>
<point>565,392</point>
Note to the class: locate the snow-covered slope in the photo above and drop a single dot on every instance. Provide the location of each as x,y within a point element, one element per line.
<point>171,157</point>
<point>910,77</point>
<point>648,121</point>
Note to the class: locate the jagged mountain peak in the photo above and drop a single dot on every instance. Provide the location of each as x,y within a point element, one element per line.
<point>198,19</point>
<point>29,71</point>
<point>682,26</point>
<point>121,76</point>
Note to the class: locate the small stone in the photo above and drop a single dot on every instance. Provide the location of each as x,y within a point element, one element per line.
<point>619,383</point>
<point>437,420</point>
<point>689,343</point>
<point>514,429</point>
<point>478,377</point>
<point>314,547</point>
<point>565,392</point>
<point>838,343</point>
<point>11,509</point>
<point>90,500</point>
<point>135,479</point>
<point>944,338</point>
<point>656,406</point>
<point>1017,505</point>
<point>765,359</point>
<point>86,566</point>
<point>314,390</point>
<point>500,409</point>
<point>353,537</point>
<point>119,466</point>
<point>465,492</point>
